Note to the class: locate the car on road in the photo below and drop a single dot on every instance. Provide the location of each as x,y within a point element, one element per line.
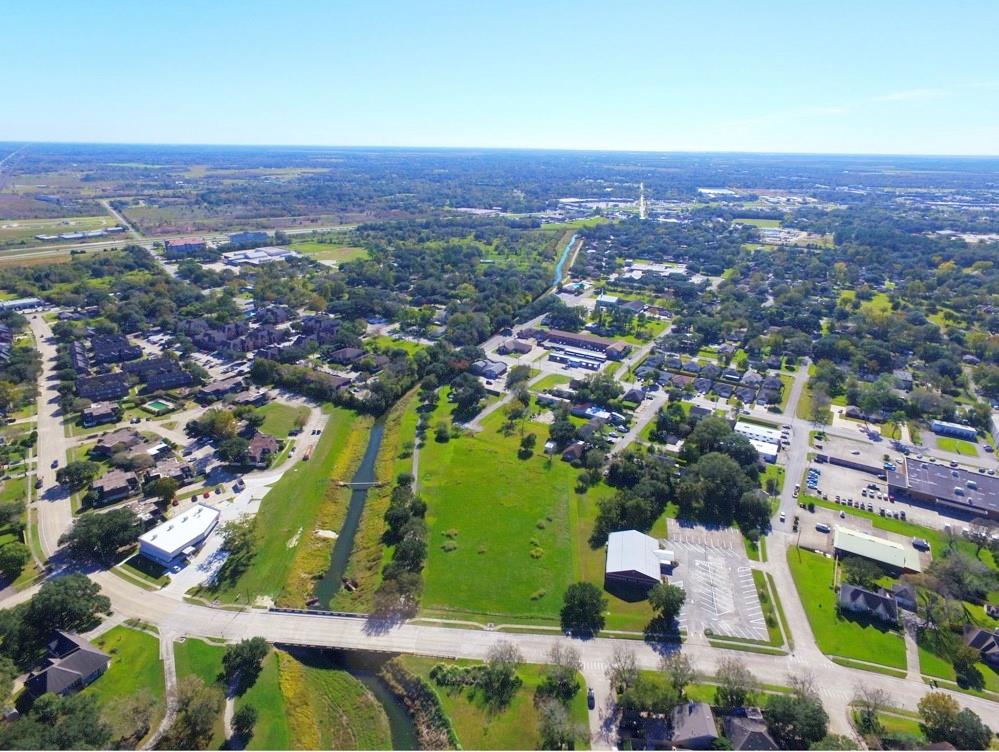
<point>783,516</point>
<point>38,482</point>
<point>855,451</point>
<point>55,463</point>
<point>591,700</point>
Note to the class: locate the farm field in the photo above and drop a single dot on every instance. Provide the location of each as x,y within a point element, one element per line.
<point>288,554</point>
<point>479,727</point>
<point>758,222</point>
<point>835,635</point>
<point>279,419</point>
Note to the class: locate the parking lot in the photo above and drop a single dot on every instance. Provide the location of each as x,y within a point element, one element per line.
<point>713,568</point>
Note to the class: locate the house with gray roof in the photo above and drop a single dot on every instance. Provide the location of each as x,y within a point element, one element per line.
<point>746,729</point>
<point>859,600</point>
<point>694,726</point>
<point>71,665</point>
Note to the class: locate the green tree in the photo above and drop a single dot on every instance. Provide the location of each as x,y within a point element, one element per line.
<point>834,742</point>
<point>233,450</point>
<point>13,558</point>
<point>72,722</point>
<point>99,536</point>
<point>243,721</point>
<point>666,600</point>
<point>77,474</point>
<point>560,672</point>
<point>164,489</point>
<point>795,721</point>
<point>737,687</point>
<point>197,708</point>
<point>242,662</point>
<point>678,669</point>
<point>943,720</point>
<point>583,609</point>
<point>499,680</point>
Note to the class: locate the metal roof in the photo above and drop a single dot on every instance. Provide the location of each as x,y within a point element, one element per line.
<point>632,551</point>
<point>879,549</point>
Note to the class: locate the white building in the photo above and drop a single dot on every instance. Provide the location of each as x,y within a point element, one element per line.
<point>634,559</point>
<point>766,450</point>
<point>258,256</point>
<point>758,432</point>
<point>179,536</point>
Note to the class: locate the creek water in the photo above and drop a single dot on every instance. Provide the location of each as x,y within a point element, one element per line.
<point>560,266</point>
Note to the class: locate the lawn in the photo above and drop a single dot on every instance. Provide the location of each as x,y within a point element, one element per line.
<point>932,664</point>
<point>506,519</point>
<point>288,554</point>
<point>271,730</point>
<point>957,446</point>
<point>758,222</point>
<point>327,707</point>
<point>135,666</point>
<point>279,419</point>
<point>834,634</point>
<point>204,660</point>
<point>549,381</point>
<point>479,727</point>
<point>328,251</point>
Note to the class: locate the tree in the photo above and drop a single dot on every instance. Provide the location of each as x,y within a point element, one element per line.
<point>163,489</point>
<point>736,685</point>
<point>834,742</point>
<point>72,722</point>
<point>795,721</point>
<point>77,474</point>
<point>666,600</point>
<point>8,672</point>
<point>129,717</point>
<point>622,669</point>
<point>583,609</point>
<point>678,669</point>
<point>499,680</point>
<point>555,727</point>
<point>197,708</point>
<point>13,557</point>
<point>239,543</point>
<point>243,721</point>
<point>99,536</point>
<point>527,445</point>
<point>233,450</point>
<point>942,720</point>
<point>560,679</point>
<point>242,662</point>
<point>870,701</point>
<point>861,572</point>
<point>71,603</point>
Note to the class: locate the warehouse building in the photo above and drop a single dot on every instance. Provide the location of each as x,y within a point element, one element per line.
<point>892,555</point>
<point>179,536</point>
<point>976,494</point>
<point>943,428</point>
<point>634,561</point>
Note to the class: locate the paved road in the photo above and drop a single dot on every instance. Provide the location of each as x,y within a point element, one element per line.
<point>55,515</point>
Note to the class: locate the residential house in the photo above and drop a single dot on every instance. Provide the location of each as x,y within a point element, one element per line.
<point>904,595</point>
<point>747,730</point>
<point>107,386</point>
<point>859,600</point>
<point>487,369</point>
<point>694,726</point>
<point>635,396</point>
<point>101,412</point>
<point>902,379</point>
<point>513,346</point>
<point>985,642</point>
<point>574,452</point>
<point>72,664</point>
<point>111,443</point>
<point>216,390</point>
<point>345,356</point>
<point>262,448</point>
<point>273,314</point>
<point>114,485</point>
<point>171,468</point>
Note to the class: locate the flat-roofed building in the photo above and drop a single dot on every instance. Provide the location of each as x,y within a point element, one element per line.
<point>758,432</point>
<point>634,560</point>
<point>766,450</point>
<point>184,246</point>
<point>974,493</point>
<point>957,430</point>
<point>180,535</point>
<point>893,555</point>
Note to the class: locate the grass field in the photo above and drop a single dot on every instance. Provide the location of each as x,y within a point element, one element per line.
<point>327,707</point>
<point>834,634</point>
<point>288,554</point>
<point>271,730</point>
<point>479,727</point>
<point>957,446</point>
<point>758,222</point>
<point>329,251</point>
<point>204,660</point>
<point>387,344</point>
<point>135,666</point>
<point>549,381</point>
<point>279,419</point>
<point>514,534</point>
<point>14,232</point>
<point>932,664</point>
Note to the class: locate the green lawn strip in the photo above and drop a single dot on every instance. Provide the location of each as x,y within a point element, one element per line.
<point>704,690</point>
<point>835,634</point>
<point>288,553</point>
<point>480,727</point>
<point>549,381</point>
<point>271,730</point>
<point>780,611</point>
<point>279,419</point>
<point>135,666</point>
<point>204,660</point>
<point>140,567</point>
<point>752,549</point>
<point>767,606</point>
<point>745,645</point>
<point>387,343</point>
<point>957,446</point>
<point>873,667</point>
<point>133,579</point>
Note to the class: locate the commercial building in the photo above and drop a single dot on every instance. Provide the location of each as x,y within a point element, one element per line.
<point>248,236</point>
<point>758,432</point>
<point>184,246</point>
<point>634,560</point>
<point>943,428</point>
<point>20,304</point>
<point>976,494</point>
<point>612,349</point>
<point>179,536</point>
<point>258,256</point>
<point>766,450</point>
<point>893,555</point>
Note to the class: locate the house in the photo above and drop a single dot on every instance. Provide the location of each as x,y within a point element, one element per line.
<point>694,726</point>
<point>723,390</point>
<point>859,600</point>
<point>487,369</point>
<point>710,371</point>
<point>111,443</point>
<point>107,386</point>
<point>608,301</point>
<point>114,485</point>
<point>113,349</point>
<point>591,428</point>
<point>904,595</point>
<point>985,642</point>
<point>902,379</point>
<point>101,412</point>
<point>79,358</point>
<point>171,468</point>
<point>512,346</point>
<point>574,452</point>
<point>345,355</point>
<point>216,390</point>
<point>184,246</point>
<point>634,560</point>
<point>746,729</point>
<point>262,448</point>
<point>72,664</point>
<point>179,536</point>
<point>273,314</point>
<point>751,378</point>
<point>635,396</point>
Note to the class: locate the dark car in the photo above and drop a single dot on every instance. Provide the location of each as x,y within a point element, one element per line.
<point>591,701</point>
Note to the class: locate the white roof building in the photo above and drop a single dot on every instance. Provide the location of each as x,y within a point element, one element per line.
<point>179,535</point>
<point>635,559</point>
<point>766,450</point>
<point>258,256</point>
<point>758,432</point>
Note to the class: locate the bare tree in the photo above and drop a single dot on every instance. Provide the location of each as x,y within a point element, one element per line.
<point>803,685</point>
<point>870,701</point>
<point>736,685</point>
<point>678,669</point>
<point>622,671</point>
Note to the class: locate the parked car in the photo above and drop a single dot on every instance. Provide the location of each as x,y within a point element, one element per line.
<point>822,527</point>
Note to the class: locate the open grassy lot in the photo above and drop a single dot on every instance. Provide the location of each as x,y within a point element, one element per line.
<point>386,343</point>
<point>957,446</point>
<point>328,251</point>
<point>327,707</point>
<point>271,730</point>
<point>279,419</point>
<point>935,665</point>
<point>14,232</point>
<point>479,727</point>
<point>204,660</point>
<point>135,666</point>
<point>288,553</point>
<point>549,381</point>
<point>836,635</point>
<point>758,222</point>
<point>506,519</point>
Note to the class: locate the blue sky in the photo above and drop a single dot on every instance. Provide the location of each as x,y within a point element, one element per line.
<point>803,76</point>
